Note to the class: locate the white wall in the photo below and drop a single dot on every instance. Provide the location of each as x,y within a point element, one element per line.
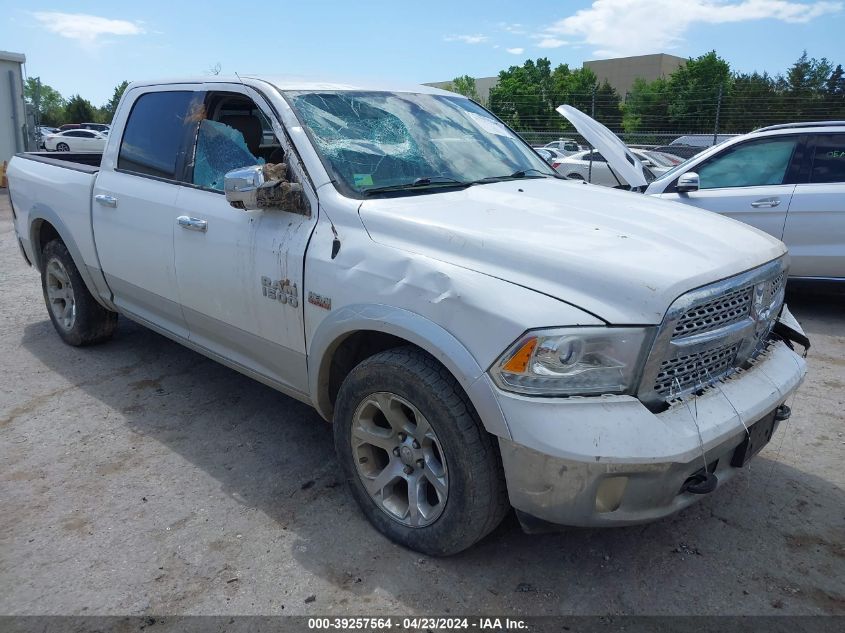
<point>11,137</point>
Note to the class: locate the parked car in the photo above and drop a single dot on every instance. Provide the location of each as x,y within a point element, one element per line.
<point>661,159</point>
<point>69,126</point>
<point>564,146</point>
<point>787,180</point>
<point>406,264</point>
<point>98,127</point>
<point>41,132</point>
<point>592,167</point>
<point>548,155</point>
<point>683,152</point>
<point>76,141</point>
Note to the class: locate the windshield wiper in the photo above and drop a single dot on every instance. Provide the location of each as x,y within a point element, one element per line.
<point>433,181</point>
<point>517,175</point>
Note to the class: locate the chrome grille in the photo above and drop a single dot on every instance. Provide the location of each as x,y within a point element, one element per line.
<point>722,311</point>
<point>709,332</point>
<point>692,371</point>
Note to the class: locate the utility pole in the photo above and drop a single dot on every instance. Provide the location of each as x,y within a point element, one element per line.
<point>592,114</point>
<point>718,112</point>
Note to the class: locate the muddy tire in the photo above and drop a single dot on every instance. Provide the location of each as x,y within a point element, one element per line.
<point>75,314</point>
<point>418,461</point>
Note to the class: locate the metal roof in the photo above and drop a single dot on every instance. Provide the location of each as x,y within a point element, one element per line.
<point>7,56</point>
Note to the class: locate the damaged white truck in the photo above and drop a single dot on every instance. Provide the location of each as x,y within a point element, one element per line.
<point>481,333</point>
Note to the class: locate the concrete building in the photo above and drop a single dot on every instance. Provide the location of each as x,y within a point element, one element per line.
<point>620,72</point>
<point>13,137</point>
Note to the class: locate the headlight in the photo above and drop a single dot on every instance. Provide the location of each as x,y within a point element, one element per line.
<point>576,361</point>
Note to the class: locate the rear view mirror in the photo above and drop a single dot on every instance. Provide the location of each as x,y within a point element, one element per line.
<point>688,182</point>
<point>264,187</point>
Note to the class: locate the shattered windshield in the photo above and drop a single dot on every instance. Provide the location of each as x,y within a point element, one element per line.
<point>376,141</point>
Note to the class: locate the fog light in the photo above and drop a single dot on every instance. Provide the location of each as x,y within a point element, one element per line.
<point>609,493</point>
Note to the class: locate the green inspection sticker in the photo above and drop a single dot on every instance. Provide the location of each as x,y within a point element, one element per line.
<point>362,179</point>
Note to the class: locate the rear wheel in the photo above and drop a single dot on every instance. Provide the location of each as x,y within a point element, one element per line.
<point>419,463</point>
<point>62,147</point>
<point>75,314</point>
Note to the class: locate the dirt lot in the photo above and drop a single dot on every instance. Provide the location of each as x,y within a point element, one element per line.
<point>139,477</point>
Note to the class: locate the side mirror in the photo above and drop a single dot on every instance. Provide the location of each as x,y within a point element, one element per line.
<point>688,182</point>
<point>263,187</point>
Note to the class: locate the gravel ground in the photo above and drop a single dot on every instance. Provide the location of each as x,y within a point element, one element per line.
<point>138,477</point>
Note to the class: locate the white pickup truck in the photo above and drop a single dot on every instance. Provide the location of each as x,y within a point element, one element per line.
<point>481,333</point>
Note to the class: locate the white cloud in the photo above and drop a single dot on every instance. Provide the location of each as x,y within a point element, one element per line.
<point>515,51</point>
<point>466,39</point>
<point>85,29</point>
<point>515,28</point>
<point>634,27</point>
<point>550,42</point>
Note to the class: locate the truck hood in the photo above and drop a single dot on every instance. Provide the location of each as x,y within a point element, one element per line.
<point>619,157</point>
<point>621,256</point>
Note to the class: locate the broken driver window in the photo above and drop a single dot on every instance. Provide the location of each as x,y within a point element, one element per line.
<point>232,133</point>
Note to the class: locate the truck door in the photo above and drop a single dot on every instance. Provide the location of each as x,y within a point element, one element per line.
<point>134,210</point>
<point>815,225</point>
<point>240,272</point>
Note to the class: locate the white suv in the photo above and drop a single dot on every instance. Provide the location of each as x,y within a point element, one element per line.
<point>787,180</point>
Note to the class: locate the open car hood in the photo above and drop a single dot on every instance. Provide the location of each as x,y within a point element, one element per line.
<point>618,156</point>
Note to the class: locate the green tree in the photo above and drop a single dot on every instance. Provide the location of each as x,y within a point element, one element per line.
<point>694,91</point>
<point>807,76</point>
<point>522,97</point>
<point>752,101</point>
<point>47,102</point>
<point>835,85</point>
<point>109,108</point>
<point>465,85</point>
<point>79,110</point>
<point>647,106</point>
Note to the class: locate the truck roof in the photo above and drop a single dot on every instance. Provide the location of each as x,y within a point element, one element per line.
<point>296,83</point>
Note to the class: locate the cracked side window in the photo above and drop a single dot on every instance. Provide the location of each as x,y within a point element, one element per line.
<point>220,149</point>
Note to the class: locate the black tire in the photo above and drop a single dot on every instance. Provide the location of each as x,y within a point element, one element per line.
<point>91,322</point>
<point>477,496</point>
<point>62,147</point>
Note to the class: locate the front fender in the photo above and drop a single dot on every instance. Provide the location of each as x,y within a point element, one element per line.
<point>415,329</point>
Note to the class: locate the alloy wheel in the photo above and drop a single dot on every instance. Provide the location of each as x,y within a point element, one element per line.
<point>399,459</point>
<point>60,294</point>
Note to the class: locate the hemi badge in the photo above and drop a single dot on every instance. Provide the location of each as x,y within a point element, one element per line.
<point>320,301</point>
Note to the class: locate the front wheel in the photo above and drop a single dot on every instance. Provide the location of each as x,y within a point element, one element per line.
<point>75,314</point>
<point>419,463</point>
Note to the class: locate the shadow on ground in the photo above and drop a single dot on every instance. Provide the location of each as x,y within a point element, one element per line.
<point>770,541</point>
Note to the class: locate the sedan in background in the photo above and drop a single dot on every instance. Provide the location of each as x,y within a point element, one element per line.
<point>76,141</point>
<point>592,167</point>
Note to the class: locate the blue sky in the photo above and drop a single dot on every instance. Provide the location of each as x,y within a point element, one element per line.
<point>89,47</point>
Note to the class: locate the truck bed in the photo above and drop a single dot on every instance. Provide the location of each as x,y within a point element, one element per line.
<point>88,162</point>
<point>56,188</point>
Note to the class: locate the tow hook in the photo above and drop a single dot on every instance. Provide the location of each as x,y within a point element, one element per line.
<point>782,413</point>
<point>700,483</point>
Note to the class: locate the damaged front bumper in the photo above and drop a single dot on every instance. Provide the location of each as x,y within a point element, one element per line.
<point>608,460</point>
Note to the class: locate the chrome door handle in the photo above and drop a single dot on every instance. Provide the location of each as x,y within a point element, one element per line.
<point>105,200</point>
<point>192,224</point>
<point>766,202</point>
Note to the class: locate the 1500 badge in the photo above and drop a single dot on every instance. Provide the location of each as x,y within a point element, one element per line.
<point>282,291</point>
